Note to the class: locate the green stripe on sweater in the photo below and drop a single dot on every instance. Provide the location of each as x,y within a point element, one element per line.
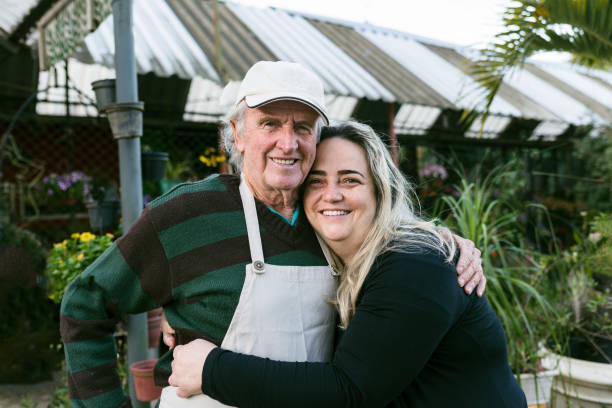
<point>112,398</point>
<point>211,183</point>
<point>83,355</point>
<point>202,231</point>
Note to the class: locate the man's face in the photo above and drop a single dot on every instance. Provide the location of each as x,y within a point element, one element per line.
<point>278,146</point>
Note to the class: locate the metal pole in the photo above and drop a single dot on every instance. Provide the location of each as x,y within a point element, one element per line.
<point>129,165</point>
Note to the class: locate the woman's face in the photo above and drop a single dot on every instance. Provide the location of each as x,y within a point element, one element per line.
<point>339,198</point>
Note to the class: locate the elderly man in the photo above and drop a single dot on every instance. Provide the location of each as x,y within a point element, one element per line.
<point>232,259</point>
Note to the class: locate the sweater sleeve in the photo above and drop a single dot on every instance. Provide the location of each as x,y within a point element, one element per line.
<point>407,305</point>
<point>91,307</point>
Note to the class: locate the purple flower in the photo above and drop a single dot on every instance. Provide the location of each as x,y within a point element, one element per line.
<point>434,170</point>
<point>63,185</point>
<point>49,191</point>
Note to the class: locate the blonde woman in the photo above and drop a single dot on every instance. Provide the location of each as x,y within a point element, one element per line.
<point>410,338</point>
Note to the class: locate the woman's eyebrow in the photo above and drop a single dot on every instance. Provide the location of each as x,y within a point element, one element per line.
<point>350,172</point>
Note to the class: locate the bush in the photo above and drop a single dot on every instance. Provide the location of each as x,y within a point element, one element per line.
<point>70,258</point>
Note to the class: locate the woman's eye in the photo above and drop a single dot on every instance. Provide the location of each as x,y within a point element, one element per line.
<point>350,180</point>
<point>314,181</point>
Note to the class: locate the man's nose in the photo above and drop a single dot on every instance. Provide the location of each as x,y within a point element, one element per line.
<point>287,140</point>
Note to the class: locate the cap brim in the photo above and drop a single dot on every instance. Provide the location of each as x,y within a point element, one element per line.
<point>254,101</point>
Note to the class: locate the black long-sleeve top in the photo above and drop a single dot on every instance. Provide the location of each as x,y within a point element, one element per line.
<point>416,340</point>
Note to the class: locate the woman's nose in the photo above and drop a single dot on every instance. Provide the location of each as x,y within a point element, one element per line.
<point>332,193</point>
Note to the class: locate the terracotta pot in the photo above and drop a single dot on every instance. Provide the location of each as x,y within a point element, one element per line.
<point>146,390</point>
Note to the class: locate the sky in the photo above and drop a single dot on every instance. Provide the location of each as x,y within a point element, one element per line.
<point>460,22</point>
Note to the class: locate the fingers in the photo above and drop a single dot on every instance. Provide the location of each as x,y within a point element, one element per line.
<point>167,332</point>
<point>481,286</point>
<point>466,249</point>
<point>478,275</point>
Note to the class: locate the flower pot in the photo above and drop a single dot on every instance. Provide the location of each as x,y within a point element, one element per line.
<point>103,214</point>
<point>105,93</point>
<point>145,387</point>
<point>537,387</point>
<point>153,165</point>
<point>580,383</point>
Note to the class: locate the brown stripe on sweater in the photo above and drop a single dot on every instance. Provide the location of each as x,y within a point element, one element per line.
<point>184,336</point>
<point>92,382</point>
<point>205,259</point>
<point>72,329</point>
<point>160,376</point>
<point>190,205</point>
<point>145,255</point>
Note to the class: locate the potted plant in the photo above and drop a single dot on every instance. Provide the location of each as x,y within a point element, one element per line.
<point>480,211</point>
<point>69,258</point>
<point>29,328</point>
<point>176,173</point>
<point>153,164</point>
<point>102,204</point>
<point>60,193</point>
<point>578,281</point>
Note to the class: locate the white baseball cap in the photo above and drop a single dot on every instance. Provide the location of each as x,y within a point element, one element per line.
<point>269,81</point>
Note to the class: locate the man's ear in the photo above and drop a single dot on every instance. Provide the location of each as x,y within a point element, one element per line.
<point>238,138</point>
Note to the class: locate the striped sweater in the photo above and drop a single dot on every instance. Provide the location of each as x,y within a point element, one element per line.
<point>187,252</point>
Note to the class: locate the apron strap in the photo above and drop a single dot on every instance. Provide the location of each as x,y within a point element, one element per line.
<point>250,214</point>
<point>328,256</point>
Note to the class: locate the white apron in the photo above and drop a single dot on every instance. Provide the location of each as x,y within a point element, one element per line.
<point>282,314</point>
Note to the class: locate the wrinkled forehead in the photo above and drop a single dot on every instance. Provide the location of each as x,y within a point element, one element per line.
<point>286,108</point>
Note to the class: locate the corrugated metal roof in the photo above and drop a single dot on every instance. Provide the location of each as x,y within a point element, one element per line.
<point>238,47</point>
<point>436,72</point>
<point>13,12</point>
<point>592,101</point>
<point>528,107</point>
<point>415,119</point>
<point>588,86</point>
<point>405,86</point>
<point>561,104</point>
<point>292,38</point>
<point>162,44</point>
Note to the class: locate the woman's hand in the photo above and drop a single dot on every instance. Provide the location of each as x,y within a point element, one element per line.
<point>167,332</point>
<point>469,266</point>
<point>187,367</point>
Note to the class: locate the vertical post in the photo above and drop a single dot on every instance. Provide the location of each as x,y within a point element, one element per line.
<point>392,136</point>
<point>129,165</point>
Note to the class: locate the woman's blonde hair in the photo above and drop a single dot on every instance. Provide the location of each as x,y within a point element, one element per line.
<point>396,226</point>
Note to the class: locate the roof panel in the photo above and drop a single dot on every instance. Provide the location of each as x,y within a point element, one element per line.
<point>162,44</point>
<point>404,85</point>
<point>586,85</point>
<point>238,48</point>
<point>291,37</point>
<point>436,72</point>
<point>13,12</point>
<point>528,107</point>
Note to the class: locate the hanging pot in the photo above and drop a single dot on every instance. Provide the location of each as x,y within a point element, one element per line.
<point>153,165</point>
<point>145,387</point>
<point>103,214</point>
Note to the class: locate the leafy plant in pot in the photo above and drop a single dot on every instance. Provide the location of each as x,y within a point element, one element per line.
<point>584,356</point>
<point>102,204</point>
<point>477,213</point>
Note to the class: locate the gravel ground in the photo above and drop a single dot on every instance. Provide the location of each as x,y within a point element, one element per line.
<point>28,395</point>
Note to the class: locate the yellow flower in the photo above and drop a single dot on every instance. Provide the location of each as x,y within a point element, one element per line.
<point>87,236</point>
<point>75,235</point>
<point>80,256</point>
<point>108,234</point>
